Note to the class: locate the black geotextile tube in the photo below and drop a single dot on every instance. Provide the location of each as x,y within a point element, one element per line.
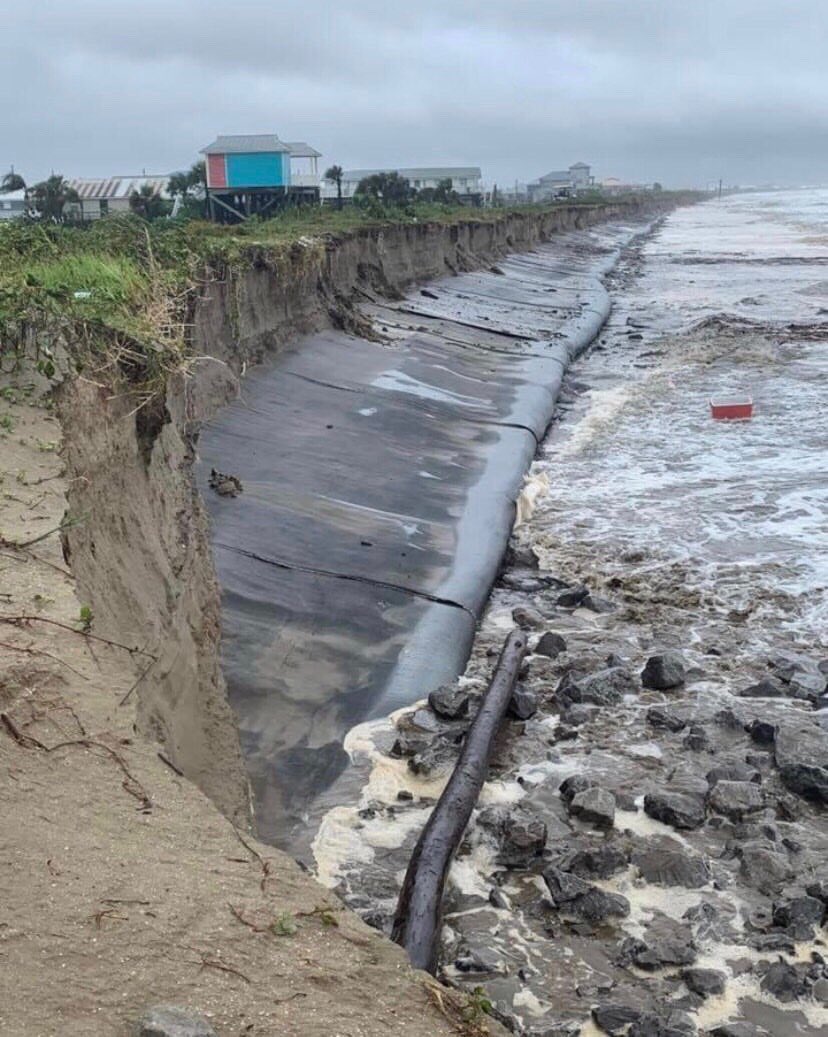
<point>419,909</point>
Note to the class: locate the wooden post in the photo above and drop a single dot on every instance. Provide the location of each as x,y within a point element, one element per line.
<point>419,909</point>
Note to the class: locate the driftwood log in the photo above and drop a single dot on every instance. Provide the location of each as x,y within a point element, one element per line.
<point>419,909</point>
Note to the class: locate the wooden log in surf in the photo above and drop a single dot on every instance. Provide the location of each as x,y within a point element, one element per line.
<point>419,910</point>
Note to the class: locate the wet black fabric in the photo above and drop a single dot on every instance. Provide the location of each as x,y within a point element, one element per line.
<point>380,480</point>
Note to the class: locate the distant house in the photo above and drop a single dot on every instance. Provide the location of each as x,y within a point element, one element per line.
<point>253,174</point>
<point>465,180</point>
<point>561,183</point>
<point>106,197</point>
<point>12,205</point>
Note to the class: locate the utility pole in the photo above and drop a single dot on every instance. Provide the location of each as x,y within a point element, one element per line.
<point>720,188</point>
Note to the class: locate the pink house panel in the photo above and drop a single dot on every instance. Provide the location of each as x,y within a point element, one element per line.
<point>216,171</point>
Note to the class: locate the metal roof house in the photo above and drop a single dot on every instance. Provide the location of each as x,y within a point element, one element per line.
<point>465,180</point>
<point>111,195</point>
<point>251,174</point>
<point>12,205</point>
<point>561,182</point>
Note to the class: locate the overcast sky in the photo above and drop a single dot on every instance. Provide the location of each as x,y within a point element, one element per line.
<point>681,91</point>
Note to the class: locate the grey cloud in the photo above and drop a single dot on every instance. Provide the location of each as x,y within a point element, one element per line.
<point>643,89</point>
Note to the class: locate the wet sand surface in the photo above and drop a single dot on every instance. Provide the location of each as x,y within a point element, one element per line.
<point>650,855</point>
<point>379,485</point>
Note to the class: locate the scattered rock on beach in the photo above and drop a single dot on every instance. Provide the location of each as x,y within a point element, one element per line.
<point>595,806</point>
<point>677,809</point>
<point>571,599</point>
<point>735,799</point>
<point>666,719</point>
<point>669,864</point>
<point>520,837</point>
<point>523,704</point>
<point>450,702</point>
<point>577,898</point>
<point>663,671</point>
<point>604,688</point>
<point>550,644</point>
<point>525,616</point>
<point>170,1021</point>
<point>704,982</point>
<point>801,753</point>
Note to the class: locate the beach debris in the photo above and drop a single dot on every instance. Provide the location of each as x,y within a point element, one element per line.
<point>225,485</point>
<point>170,1021</point>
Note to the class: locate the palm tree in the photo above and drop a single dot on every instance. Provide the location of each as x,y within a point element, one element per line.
<point>12,182</point>
<point>48,198</point>
<point>148,203</point>
<point>335,173</point>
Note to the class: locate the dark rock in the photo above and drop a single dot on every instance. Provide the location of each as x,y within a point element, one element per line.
<point>450,702</point>
<point>170,1021</point>
<point>577,714</point>
<point>767,943</point>
<point>819,991</point>
<point>527,617</point>
<point>784,982</point>
<point>735,799</point>
<point>523,704</point>
<point>733,772</point>
<point>762,732</point>
<point>571,599</point>
<point>520,557</point>
<point>665,943</point>
<point>799,916</point>
<point>728,719</point>
<point>437,757</point>
<point>595,603</point>
<point>767,688</point>
<point>763,869</point>
<point>737,1028</point>
<point>669,864</point>
<point>520,836</point>
<point>404,796</point>
<point>663,671</point>
<point>660,717</point>
<point>704,981</point>
<point>677,809</point>
<point>673,1023</point>
<point>818,890</point>
<point>550,644</point>
<point>579,899</point>
<point>571,786</point>
<point>604,688</point>
<point>600,862</point>
<point>614,1019</point>
<point>595,806</point>
<point>697,739</point>
<point>425,720</point>
<point>409,743</point>
<point>801,753</point>
<point>808,685</point>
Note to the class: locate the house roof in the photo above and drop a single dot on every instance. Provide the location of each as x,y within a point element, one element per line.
<point>299,149</point>
<point>580,165</point>
<point>556,176</point>
<point>418,173</point>
<point>244,144</point>
<point>114,187</point>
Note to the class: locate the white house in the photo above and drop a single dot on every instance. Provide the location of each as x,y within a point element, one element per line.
<point>304,168</point>
<point>561,183</point>
<point>465,180</point>
<point>103,197</point>
<point>12,205</point>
